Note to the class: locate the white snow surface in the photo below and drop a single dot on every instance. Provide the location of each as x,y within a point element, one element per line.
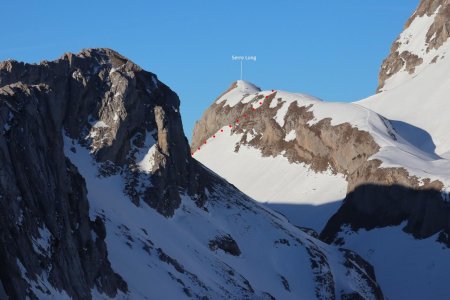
<point>290,136</point>
<point>148,162</point>
<point>145,161</point>
<point>100,124</point>
<point>135,233</point>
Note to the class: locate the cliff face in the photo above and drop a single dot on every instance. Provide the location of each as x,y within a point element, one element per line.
<point>111,106</point>
<point>46,233</point>
<point>420,43</point>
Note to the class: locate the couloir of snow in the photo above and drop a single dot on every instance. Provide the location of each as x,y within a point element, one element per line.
<point>135,233</point>
<point>406,268</point>
<point>145,160</point>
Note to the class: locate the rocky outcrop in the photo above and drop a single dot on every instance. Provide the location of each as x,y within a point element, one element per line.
<point>225,243</point>
<point>111,106</point>
<point>436,35</point>
<point>439,31</point>
<point>341,148</point>
<point>354,263</point>
<point>396,62</point>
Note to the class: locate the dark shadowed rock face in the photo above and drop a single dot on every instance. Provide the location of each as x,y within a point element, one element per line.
<point>44,225</point>
<point>372,206</point>
<point>111,106</point>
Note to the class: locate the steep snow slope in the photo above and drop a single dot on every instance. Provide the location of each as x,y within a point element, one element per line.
<point>178,257</point>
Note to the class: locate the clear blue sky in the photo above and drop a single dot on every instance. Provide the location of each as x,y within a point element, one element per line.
<point>330,49</point>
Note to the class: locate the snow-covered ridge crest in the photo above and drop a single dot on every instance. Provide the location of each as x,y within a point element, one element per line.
<point>394,150</point>
<point>237,91</point>
<point>246,92</point>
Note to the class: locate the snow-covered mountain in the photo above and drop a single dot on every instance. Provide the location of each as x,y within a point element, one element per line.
<point>100,198</point>
<point>371,175</point>
<point>290,148</point>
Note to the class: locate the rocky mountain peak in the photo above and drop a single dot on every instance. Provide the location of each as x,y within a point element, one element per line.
<point>130,123</point>
<point>246,86</point>
<point>327,137</point>
<point>238,89</point>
